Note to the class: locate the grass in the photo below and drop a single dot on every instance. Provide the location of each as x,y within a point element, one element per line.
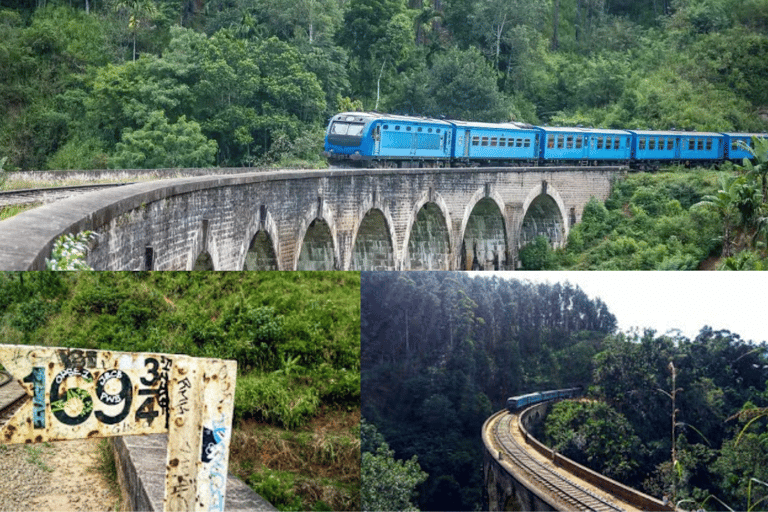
<point>107,466</point>
<point>35,454</point>
<point>316,467</point>
<point>7,212</point>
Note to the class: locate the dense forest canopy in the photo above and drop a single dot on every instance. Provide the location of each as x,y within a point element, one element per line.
<point>441,352</point>
<point>157,83</point>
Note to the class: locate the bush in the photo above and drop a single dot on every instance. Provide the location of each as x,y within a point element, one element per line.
<point>271,398</point>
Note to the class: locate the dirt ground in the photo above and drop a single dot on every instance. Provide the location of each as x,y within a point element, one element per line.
<point>58,477</point>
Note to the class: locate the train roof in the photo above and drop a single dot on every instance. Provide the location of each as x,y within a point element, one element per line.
<point>363,117</point>
<point>671,133</point>
<point>758,135</point>
<point>578,129</point>
<point>511,125</point>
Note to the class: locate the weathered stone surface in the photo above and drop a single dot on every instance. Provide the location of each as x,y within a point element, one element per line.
<point>177,220</point>
<point>141,470</point>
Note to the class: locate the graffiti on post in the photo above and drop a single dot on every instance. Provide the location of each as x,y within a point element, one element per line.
<point>78,394</point>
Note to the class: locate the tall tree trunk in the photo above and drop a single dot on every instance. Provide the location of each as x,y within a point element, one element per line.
<point>556,26</point>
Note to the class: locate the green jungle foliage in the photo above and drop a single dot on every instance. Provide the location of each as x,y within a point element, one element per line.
<point>162,83</point>
<point>295,336</point>
<point>624,430</point>
<point>441,352</point>
<point>678,219</point>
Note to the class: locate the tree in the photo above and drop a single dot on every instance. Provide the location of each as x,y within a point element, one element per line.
<point>162,144</point>
<point>386,483</point>
<point>138,12</point>
<point>725,202</point>
<point>759,168</point>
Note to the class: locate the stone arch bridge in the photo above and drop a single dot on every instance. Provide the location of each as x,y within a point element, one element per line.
<point>337,219</point>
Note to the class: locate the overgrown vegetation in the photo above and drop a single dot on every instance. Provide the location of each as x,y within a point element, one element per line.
<point>111,83</point>
<point>625,430</point>
<point>295,336</point>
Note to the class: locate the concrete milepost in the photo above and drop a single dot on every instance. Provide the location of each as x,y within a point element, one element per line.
<point>80,393</point>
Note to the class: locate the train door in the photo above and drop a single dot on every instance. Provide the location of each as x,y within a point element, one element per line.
<point>377,140</point>
<point>678,147</point>
<point>466,143</point>
<point>414,143</point>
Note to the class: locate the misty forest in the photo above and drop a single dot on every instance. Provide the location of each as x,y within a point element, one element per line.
<point>441,352</point>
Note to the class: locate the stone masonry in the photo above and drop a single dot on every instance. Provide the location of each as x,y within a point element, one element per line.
<point>170,224</point>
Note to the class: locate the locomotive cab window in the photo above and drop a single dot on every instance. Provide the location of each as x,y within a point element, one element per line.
<point>354,129</point>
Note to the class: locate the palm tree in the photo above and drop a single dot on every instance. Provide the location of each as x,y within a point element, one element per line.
<point>138,11</point>
<point>725,202</point>
<point>759,168</point>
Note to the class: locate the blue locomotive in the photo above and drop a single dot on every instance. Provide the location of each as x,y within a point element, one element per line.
<point>383,140</point>
<point>516,403</point>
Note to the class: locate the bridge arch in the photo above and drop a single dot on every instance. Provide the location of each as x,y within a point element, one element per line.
<point>543,214</point>
<point>374,246</point>
<point>428,238</point>
<point>259,249</point>
<point>318,245</point>
<point>484,237</point>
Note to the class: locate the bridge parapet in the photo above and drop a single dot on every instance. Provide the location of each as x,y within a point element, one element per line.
<point>337,219</point>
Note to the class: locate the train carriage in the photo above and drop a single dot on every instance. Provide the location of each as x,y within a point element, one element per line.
<point>735,145</point>
<point>488,144</point>
<point>701,147</point>
<point>585,145</point>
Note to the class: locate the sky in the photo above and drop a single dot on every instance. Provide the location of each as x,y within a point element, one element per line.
<point>736,301</point>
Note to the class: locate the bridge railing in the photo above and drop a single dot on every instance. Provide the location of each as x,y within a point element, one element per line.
<point>627,494</point>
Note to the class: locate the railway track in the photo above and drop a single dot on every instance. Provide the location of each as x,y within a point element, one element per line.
<point>48,195</point>
<point>12,397</point>
<point>572,495</point>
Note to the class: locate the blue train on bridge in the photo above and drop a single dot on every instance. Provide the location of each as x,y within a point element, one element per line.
<point>382,140</point>
<point>515,403</point>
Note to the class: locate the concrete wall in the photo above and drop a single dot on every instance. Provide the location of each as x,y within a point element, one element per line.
<point>334,219</point>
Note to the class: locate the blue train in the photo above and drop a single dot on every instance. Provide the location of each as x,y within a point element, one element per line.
<point>382,140</point>
<point>516,403</point>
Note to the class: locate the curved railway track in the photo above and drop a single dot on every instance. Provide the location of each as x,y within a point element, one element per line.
<point>572,495</point>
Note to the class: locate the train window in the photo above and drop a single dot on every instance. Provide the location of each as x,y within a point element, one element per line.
<point>691,144</point>
<point>527,143</point>
<point>339,128</point>
<point>386,127</point>
<point>641,143</point>
<point>475,140</point>
<point>709,144</point>
<point>560,141</point>
<point>494,142</point>
<point>520,143</point>
<point>617,143</point>
<point>438,130</point>
<point>670,144</point>
<point>407,128</point>
<point>429,131</point>
<point>734,145</point>
<point>484,141</point>
<point>419,129</point>
<point>579,141</point>
<point>397,127</point>
<point>700,145</point>
<point>651,144</point>
<point>551,141</point>
<point>599,143</point>
<point>569,142</point>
